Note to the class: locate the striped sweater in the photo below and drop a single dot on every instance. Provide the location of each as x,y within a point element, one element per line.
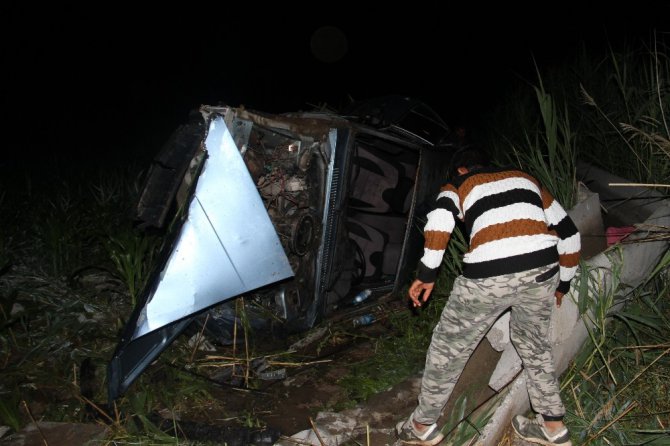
<point>512,222</point>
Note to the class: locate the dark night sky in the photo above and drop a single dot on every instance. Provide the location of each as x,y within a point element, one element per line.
<point>83,84</point>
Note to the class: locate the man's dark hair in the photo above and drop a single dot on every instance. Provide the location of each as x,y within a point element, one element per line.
<point>469,157</point>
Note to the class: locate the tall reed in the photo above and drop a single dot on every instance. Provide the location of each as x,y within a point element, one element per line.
<point>548,150</point>
<point>625,120</point>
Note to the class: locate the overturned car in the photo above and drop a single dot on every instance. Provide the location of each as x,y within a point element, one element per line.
<point>295,212</point>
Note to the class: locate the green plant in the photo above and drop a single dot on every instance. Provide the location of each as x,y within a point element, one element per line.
<point>611,388</point>
<point>52,320</point>
<point>60,231</point>
<point>108,190</point>
<point>137,427</point>
<point>597,289</point>
<point>9,411</point>
<point>133,255</point>
<point>396,357</point>
<point>463,427</point>
<point>626,120</point>
<point>549,152</point>
<point>250,419</point>
<point>111,195</point>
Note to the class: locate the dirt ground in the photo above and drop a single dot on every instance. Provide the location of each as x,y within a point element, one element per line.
<point>302,402</point>
<point>298,409</point>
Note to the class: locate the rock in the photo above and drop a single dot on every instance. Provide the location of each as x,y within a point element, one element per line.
<point>57,434</point>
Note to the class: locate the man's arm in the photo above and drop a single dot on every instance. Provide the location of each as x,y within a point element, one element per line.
<point>437,231</point>
<point>569,243</point>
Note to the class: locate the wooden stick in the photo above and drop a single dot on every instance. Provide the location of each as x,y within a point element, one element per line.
<point>95,406</point>
<point>597,434</point>
<point>639,184</point>
<point>44,439</point>
<point>299,364</point>
<point>196,344</point>
<point>316,431</point>
<point>254,357</point>
<point>246,349</point>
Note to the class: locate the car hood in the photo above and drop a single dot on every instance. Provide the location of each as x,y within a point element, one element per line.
<point>226,246</point>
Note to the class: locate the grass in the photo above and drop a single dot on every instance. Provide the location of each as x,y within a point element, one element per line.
<point>133,255</point>
<point>548,152</point>
<point>396,357</point>
<point>69,258</point>
<point>464,425</point>
<point>625,103</point>
<point>612,388</point>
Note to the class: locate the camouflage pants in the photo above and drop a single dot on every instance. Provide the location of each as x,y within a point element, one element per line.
<point>472,308</point>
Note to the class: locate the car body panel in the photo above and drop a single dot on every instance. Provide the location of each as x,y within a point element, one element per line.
<point>226,246</point>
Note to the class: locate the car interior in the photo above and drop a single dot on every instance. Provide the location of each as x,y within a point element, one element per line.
<point>381,188</point>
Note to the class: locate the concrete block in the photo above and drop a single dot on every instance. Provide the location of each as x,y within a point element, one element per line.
<point>587,216</point>
<point>508,367</point>
<point>498,335</point>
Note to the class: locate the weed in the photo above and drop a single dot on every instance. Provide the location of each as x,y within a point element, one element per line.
<point>133,255</point>
<point>612,386</point>
<point>9,411</point>
<point>549,153</point>
<point>464,425</point>
<point>628,105</point>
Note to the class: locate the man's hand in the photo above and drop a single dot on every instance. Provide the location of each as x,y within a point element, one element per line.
<point>559,298</point>
<point>415,292</point>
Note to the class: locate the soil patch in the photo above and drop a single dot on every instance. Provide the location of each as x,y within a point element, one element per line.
<point>312,397</point>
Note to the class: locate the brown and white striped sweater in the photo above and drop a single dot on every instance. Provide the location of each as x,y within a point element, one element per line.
<point>512,222</point>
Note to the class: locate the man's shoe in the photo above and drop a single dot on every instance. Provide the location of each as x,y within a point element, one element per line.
<point>535,432</point>
<point>406,433</point>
